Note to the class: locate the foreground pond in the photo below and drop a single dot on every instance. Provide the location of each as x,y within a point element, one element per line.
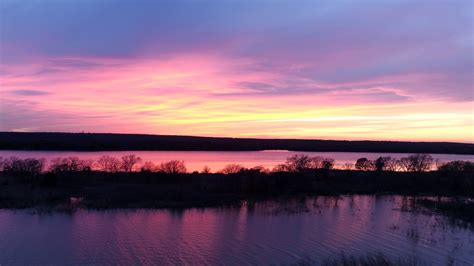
<point>216,160</point>
<point>269,232</point>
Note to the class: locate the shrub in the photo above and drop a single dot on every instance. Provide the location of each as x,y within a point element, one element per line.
<point>457,166</point>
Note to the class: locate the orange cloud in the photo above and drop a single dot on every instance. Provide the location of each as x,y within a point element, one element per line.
<point>213,95</point>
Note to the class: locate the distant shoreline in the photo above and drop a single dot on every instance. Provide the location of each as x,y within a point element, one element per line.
<point>138,142</point>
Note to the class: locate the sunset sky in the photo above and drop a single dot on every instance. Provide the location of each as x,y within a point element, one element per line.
<point>378,70</point>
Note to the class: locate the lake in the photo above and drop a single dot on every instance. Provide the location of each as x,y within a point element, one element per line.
<point>310,229</point>
<point>216,160</point>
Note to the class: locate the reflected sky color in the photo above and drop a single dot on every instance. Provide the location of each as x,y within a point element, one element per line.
<point>258,233</point>
<point>287,69</point>
<point>217,160</point>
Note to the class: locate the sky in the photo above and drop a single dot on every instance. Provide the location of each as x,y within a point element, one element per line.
<point>365,70</point>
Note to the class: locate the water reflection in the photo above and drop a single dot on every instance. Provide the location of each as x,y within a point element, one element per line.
<point>258,232</point>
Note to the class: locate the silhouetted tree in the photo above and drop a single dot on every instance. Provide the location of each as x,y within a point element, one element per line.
<point>70,164</point>
<point>364,164</point>
<point>173,167</point>
<point>417,162</point>
<point>129,162</point>
<point>206,170</point>
<point>299,163</point>
<point>348,166</point>
<point>149,167</point>
<point>281,168</point>
<point>108,164</point>
<point>259,169</point>
<point>232,169</point>
<point>28,166</point>
<point>457,166</point>
<point>403,164</point>
<point>391,165</point>
<point>327,163</point>
<point>316,162</point>
<point>382,163</point>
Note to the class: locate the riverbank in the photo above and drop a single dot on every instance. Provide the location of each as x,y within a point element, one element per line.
<point>94,189</point>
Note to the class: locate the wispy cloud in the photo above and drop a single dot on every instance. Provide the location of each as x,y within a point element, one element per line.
<point>365,69</point>
<point>29,92</point>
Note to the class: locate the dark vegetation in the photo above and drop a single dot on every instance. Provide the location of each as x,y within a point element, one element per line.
<point>377,259</point>
<point>128,142</point>
<point>129,182</point>
<point>457,208</point>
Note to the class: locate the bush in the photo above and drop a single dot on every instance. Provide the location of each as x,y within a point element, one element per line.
<point>457,166</point>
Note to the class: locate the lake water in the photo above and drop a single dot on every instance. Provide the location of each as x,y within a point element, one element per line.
<point>216,160</point>
<point>304,230</point>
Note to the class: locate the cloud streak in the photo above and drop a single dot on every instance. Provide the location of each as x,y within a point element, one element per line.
<point>305,69</point>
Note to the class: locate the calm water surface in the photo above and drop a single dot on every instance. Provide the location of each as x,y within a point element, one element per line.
<point>311,229</point>
<point>216,160</point>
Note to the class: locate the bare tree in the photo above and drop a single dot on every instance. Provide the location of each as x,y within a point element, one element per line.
<point>403,164</point>
<point>391,165</point>
<point>70,164</point>
<point>149,167</point>
<point>129,162</point>
<point>382,163</point>
<point>232,169</point>
<point>173,167</point>
<point>281,168</point>
<point>259,169</point>
<point>299,163</point>
<point>316,162</point>
<point>108,164</point>
<point>348,166</point>
<point>28,166</point>
<point>416,163</point>
<point>206,170</point>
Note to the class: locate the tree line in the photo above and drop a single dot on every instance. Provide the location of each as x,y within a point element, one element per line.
<point>295,164</point>
<point>134,142</point>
